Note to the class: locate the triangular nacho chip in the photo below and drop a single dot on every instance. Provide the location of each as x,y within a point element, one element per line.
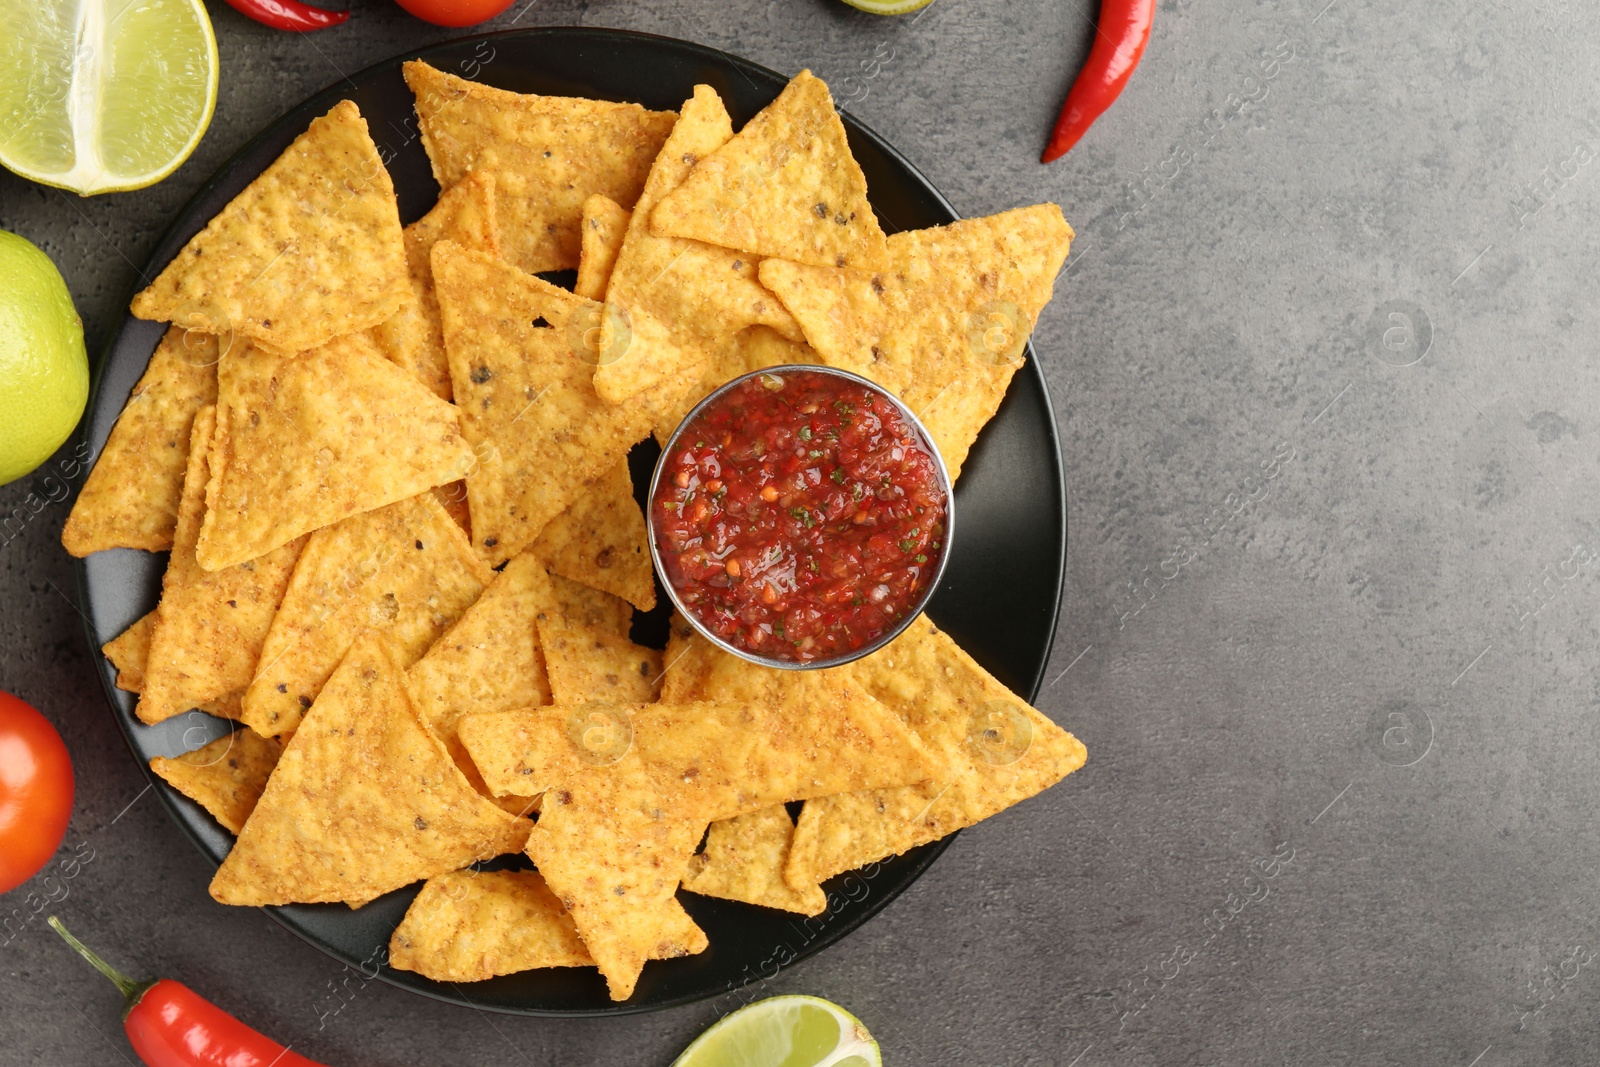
<point>786,186</point>
<point>469,925</point>
<point>605,223</point>
<point>410,337</point>
<point>676,301</point>
<point>744,860</point>
<point>1002,752</point>
<point>225,777</point>
<point>547,155</point>
<point>130,499</point>
<point>307,440</point>
<point>524,381</point>
<point>944,324</point>
<point>310,250</point>
<point>405,570</point>
<point>588,665</point>
<point>364,800</point>
<point>612,849</point>
<point>129,653</point>
<point>600,540</point>
<point>210,625</point>
<point>489,660</point>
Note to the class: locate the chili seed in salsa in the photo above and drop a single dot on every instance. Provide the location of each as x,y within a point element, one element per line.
<point>800,516</point>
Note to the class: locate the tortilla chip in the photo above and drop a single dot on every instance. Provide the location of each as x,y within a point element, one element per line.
<point>210,625</point>
<point>600,540</point>
<point>626,806</point>
<point>677,301</point>
<point>547,155</point>
<point>411,337</point>
<point>944,325</point>
<point>364,800</point>
<point>605,223</point>
<point>580,605</point>
<point>130,499</point>
<point>129,651</point>
<point>309,250</point>
<point>754,348</point>
<point>744,860</point>
<point>528,406</point>
<point>605,847</point>
<point>405,570</point>
<point>786,186</point>
<point>590,665</point>
<point>468,926</point>
<point>225,777</point>
<point>489,660</point>
<point>1003,752</point>
<point>307,440</point>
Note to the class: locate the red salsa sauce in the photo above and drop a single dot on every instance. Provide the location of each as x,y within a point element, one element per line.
<point>800,516</point>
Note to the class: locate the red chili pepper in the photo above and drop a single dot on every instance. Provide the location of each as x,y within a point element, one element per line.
<point>170,1025</point>
<point>288,14</point>
<point>1119,40</point>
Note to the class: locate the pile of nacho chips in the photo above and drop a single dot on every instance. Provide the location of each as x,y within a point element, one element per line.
<point>390,464</point>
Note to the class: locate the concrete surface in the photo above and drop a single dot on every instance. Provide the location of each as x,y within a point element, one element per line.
<point>1323,361</point>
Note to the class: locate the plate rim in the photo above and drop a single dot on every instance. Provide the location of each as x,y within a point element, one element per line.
<point>166,249</point>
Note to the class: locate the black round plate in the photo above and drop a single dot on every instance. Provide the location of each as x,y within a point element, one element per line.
<point>999,598</point>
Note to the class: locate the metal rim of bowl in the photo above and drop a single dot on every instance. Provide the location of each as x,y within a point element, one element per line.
<point>911,614</point>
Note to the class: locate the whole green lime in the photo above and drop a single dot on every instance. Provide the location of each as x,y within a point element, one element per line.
<point>44,371</point>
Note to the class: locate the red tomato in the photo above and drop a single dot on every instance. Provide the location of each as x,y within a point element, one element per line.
<point>454,12</point>
<point>35,791</point>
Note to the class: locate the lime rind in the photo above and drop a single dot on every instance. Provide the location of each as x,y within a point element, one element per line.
<point>786,1031</point>
<point>44,370</point>
<point>888,7</point>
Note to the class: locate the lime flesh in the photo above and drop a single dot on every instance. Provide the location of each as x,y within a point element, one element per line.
<point>790,1031</point>
<point>44,371</point>
<point>104,95</point>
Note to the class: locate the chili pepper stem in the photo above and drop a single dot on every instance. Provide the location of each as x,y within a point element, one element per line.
<point>130,989</point>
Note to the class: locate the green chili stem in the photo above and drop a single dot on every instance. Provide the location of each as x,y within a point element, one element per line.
<point>129,988</point>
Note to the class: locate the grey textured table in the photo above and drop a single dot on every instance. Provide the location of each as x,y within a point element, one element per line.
<point>1322,363</point>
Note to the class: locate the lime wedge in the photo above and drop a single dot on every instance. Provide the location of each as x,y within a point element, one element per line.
<point>788,1031</point>
<point>101,96</point>
<point>888,7</point>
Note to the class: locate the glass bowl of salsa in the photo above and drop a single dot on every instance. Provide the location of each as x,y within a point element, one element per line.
<point>800,517</point>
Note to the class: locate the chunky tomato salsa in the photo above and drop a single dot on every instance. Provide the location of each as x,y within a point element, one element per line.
<point>800,515</point>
